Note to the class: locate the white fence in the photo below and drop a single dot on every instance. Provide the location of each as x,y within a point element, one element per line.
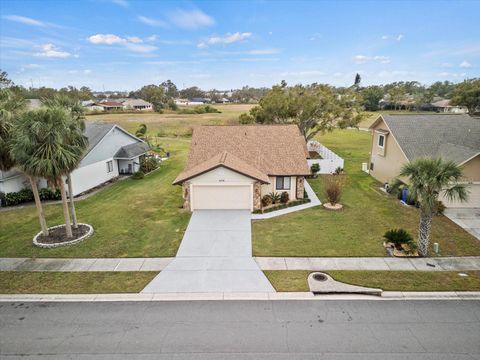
<point>329,161</point>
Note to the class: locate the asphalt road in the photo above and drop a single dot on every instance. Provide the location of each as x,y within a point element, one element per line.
<point>241,330</point>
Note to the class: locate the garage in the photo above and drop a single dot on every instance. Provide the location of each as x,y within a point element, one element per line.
<point>225,196</point>
<point>473,198</point>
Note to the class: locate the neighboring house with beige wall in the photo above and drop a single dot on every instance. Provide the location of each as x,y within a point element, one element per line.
<point>233,167</point>
<point>397,139</point>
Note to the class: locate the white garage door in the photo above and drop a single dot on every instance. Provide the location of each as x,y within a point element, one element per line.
<point>473,198</point>
<point>221,197</point>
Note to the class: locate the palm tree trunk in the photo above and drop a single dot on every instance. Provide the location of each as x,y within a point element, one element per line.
<point>72,204</point>
<point>424,233</point>
<point>38,204</point>
<point>66,215</point>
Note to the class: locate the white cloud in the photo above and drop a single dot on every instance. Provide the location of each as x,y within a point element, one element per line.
<point>385,37</point>
<point>26,20</point>
<point>132,43</point>
<point>151,22</point>
<point>134,39</point>
<point>446,65</point>
<point>270,33</point>
<point>452,75</point>
<point>51,51</point>
<point>108,39</point>
<point>224,40</point>
<point>316,36</point>
<point>192,19</point>
<point>400,37</point>
<point>362,59</point>
<point>122,3</point>
<point>87,71</point>
<point>465,64</point>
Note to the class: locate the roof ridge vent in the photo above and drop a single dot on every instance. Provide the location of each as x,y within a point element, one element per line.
<point>223,157</point>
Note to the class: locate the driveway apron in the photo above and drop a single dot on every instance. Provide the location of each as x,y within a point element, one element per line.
<point>467,218</point>
<point>215,256</point>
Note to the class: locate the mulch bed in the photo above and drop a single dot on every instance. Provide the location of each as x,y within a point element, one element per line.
<point>58,236</point>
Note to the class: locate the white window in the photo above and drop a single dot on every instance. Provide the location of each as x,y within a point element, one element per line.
<point>381,141</point>
<point>282,183</point>
<point>109,166</point>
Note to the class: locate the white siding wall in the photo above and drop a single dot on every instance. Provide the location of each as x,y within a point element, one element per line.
<point>221,175</point>
<point>123,164</point>
<point>18,183</point>
<point>92,175</point>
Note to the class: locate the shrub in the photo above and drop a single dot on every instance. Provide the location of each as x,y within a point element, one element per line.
<point>315,168</point>
<point>138,175</point>
<point>246,118</point>
<point>338,171</point>
<point>148,163</point>
<point>266,200</point>
<point>199,109</point>
<point>48,194</point>
<point>399,237</point>
<point>333,188</point>
<point>20,197</point>
<point>439,208</point>
<point>274,197</point>
<point>284,197</point>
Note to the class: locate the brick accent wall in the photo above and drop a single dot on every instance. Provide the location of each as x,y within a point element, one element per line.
<point>186,195</point>
<point>300,187</point>
<point>257,196</point>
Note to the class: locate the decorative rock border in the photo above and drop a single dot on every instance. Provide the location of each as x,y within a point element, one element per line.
<point>335,207</point>
<point>65,243</point>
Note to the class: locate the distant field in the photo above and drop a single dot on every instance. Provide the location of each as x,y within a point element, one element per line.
<point>172,124</point>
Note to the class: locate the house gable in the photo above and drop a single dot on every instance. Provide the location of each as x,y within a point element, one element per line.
<point>387,160</point>
<point>108,146</point>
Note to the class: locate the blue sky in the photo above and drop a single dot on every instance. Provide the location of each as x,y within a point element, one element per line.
<point>124,44</point>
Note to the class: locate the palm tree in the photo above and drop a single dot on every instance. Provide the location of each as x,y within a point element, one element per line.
<point>11,104</point>
<point>42,147</point>
<point>75,130</point>
<point>428,179</point>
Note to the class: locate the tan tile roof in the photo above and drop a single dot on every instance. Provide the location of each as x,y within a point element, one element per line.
<point>254,150</point>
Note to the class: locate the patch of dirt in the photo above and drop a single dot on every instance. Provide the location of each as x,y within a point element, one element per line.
<point>314,155</point>
<point>58,236</point>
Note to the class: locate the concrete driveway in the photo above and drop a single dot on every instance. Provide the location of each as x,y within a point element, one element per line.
<point>467,218</point>
<point>215,256</point>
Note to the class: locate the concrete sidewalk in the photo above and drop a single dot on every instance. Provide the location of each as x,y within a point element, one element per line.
<point>98,264</point>
<point>370,263</point>
<point>265,263</point>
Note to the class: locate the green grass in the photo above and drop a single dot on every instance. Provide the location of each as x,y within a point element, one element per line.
<point>13,282</point>
<point>171,123</point>
<point>132,218</point>
<point>358,229</point>
<point>296,280</point>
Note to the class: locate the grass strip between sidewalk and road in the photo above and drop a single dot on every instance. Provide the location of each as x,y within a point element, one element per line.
<point>101,282</point>
<point>296,280</point>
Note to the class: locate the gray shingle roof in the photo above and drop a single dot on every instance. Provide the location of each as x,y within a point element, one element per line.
<point>452,137</point>
<point>132,150</point>
<point>95,132</point>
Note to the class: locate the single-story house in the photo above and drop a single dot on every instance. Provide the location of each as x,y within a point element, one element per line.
<point>137,104</point>
<point>233,167</point>
<point>398,139</point>
<point>110,105</point>
<point>111,151</point>
<point>445,105</point>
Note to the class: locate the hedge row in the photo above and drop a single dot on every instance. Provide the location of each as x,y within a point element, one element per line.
<point>26,195</point>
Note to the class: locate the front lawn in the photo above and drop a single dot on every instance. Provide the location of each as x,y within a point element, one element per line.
<point>358,229</point>
<point>296,280</point>
<point>14,282</point>
<point>132,218</point>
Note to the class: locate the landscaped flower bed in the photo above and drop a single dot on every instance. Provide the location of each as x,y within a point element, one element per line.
<point>56,236</point>
<point>282,206</point>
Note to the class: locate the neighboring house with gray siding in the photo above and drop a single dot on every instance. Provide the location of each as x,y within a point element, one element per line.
<point>111,151</point>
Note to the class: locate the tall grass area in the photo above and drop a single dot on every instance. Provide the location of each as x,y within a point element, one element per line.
<point>173,124</point>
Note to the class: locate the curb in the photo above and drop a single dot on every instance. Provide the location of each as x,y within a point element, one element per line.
<point>386,296</point>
